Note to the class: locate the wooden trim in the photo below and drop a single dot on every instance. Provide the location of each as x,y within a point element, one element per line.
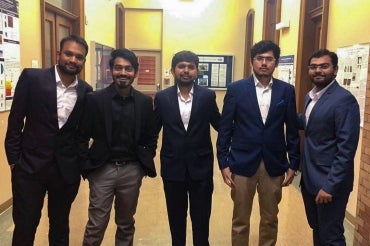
<point>315,13</point>
<point>324,24</point>
<point>120,22</point>
<point>61,12</point>
<point>248,42</point>
<point>6,205</point>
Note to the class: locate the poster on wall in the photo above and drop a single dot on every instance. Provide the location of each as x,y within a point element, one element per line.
<point>215,71</point>
<point>353,70</point>
<point>285,69</point>
<point>101,71</point>
<point>9,51</point>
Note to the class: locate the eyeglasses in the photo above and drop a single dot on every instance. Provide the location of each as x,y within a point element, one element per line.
<point>320,66</point>
<point>264,58</point>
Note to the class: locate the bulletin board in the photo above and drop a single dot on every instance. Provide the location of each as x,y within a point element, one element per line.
<point>215,71</point>
<point>101,74</point>
<point>353,69</point>
<point>10,67</point>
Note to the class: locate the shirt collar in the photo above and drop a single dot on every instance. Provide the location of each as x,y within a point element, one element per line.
<point>114,92</point>
<point>258,83</point>
<point>59,81</point>
<point>314,94</point>
<point>191,91</point>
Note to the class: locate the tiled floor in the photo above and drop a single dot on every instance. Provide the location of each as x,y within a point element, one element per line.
<point>152,226</point>
<point>151,219</point>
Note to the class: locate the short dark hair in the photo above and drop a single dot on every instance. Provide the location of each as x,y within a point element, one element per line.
<point>125,54</point>
<point>264,46</point>
<point>186,56</point>
<point>324,52</point>
<point>77,39</point>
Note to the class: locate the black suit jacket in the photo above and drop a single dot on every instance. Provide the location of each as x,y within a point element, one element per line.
<point>33,139</point>
<point>186,151</point>
<point>96,124</point>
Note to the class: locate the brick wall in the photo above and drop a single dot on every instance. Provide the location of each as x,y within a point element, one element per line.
<point>362,230</point>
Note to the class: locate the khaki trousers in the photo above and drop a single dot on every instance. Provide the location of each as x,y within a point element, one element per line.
<point>269,196</point>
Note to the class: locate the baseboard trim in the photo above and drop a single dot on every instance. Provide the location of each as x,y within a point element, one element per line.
<point>7,204</point>
<point>350,218</point>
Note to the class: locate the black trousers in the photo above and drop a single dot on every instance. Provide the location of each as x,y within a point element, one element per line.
<point>199,195</point>
<point>28,198</point>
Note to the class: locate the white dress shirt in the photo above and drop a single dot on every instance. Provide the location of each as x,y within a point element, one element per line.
<point>185,106</point>
<point>66,98</point>
<point>263,97</point>
<point>315,96</point>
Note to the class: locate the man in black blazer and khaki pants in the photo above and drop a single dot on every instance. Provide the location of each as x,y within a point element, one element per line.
<point>186,111</point>
<point>40,144</point>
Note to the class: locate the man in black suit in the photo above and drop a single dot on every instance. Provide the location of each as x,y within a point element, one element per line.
<point>120,122</point>
<point>186,111</point>
<point>40,144</point>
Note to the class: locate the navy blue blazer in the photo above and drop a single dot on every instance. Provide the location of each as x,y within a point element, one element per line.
<point>33,139</point>
<point>331,139</point>
<point>244,140</point>
<point>186,152</point>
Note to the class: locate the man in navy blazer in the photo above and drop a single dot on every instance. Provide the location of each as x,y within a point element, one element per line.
<point>258,144</point>
<point>186,111</point>
<point>40,143</point>
<point>331,122</point>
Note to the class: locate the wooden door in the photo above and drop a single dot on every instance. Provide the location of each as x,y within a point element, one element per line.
<point>56,28</point>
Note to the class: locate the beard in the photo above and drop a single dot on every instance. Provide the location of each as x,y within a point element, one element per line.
<point>69,69</point>
<point>123,82</point>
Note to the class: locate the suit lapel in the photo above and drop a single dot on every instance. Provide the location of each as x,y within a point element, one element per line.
<point>195,105</point>
<point>251,93</point>
<point>173,103</point>
<point>51,102</point>
<point>322,101</point>
<point>276,98</point>
<point>137,110</point>
<point>107,108</point>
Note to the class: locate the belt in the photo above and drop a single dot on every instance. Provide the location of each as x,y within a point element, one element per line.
<point>120,163</point>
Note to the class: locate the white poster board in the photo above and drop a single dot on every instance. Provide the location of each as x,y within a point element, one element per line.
<point>352,73</point>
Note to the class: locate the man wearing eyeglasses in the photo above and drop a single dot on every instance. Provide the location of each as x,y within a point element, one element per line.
<point>40,143</point>
<point>331,121</point>
<point>258,144</point>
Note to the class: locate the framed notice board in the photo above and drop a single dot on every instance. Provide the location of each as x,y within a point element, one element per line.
<point>215,71</point>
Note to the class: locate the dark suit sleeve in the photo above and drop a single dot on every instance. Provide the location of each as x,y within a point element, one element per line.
<point>347,130</point>
<point>84,132</point>
<point>149,134</point>
<point>225,130</point>
<point>17,114</point>
<point>148,138</point>
<point>157,114</point>
<point>292,135</point>
<point>215,113</point>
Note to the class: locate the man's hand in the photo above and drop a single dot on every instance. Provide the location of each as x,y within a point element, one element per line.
<point>323,197</point>
<point>226,175</point>
<point>11,167</point>
<point>289,176</point>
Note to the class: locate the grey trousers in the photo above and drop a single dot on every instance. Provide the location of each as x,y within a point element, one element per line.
<point>121,183</point>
